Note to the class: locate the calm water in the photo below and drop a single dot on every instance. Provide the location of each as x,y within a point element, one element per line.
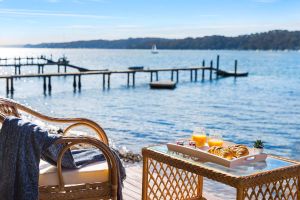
<point>266,105</point>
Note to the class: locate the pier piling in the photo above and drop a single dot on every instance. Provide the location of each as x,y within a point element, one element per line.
<point>74,82</point>
<point>196,75</point>
<point>103,81</point>
<point>79,82</point>
<point>210,70</point>
<point>203,72</point>
<point>12,85</point>
<point>7,85</point>
<point>44,84</point>
<point>235,67</point>
<point>49,84</point>
<point>128,77</point>
<point>133,79</point>
<point>218,65</point>
<point>156,75</point>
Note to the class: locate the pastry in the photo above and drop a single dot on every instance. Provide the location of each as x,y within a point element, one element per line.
<point>230,152</point>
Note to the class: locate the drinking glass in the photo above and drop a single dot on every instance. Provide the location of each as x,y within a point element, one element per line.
<point>199,136</point>
<point>215,139</point>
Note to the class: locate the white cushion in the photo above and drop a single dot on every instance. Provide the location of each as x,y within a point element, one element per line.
<point>95,172</point>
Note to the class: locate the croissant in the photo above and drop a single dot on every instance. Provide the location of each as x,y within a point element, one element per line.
<point>230,152</point>
<point>239,150</point>
<point>222,152</point>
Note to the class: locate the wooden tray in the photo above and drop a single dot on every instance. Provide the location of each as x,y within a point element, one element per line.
<point>204,156</point>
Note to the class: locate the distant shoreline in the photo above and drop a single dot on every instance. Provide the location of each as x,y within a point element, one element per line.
<point>271,50</point>
<point>272,40</point>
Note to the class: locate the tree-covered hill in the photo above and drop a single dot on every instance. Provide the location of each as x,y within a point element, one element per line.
<point>275,40</point>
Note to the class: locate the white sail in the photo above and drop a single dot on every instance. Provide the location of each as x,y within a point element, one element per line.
<point>154,49</point>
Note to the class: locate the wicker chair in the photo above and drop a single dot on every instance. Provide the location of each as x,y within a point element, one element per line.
<point>102,188</point>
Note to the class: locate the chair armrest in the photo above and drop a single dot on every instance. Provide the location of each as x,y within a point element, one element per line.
<point>10,107</point>
<point>108,154</point>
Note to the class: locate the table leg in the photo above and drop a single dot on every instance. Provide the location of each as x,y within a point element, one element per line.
<point>145,178</point>
<point>298,189</point>
<point>239,194</point>
<point>200,186</point>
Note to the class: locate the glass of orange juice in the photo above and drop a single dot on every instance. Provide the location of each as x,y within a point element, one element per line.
<point>215,139</point>
<point>199,136</point>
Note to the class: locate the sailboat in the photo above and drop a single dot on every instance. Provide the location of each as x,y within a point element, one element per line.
<point>154,49</point>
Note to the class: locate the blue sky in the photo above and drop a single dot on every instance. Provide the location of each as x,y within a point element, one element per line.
<point>35,21</point>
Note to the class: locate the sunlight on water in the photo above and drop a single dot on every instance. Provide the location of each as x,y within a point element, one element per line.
<point>266,105</point>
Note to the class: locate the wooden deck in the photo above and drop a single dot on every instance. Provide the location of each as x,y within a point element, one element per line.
<point>133,185</point>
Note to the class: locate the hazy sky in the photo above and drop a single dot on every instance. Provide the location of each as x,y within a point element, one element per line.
<point>34,21</point>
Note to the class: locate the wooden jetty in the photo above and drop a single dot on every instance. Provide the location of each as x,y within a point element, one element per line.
<point>40,62</point>
<point>106,74</point>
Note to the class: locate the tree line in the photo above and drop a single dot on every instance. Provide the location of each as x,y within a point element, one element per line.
<point>272,40</point>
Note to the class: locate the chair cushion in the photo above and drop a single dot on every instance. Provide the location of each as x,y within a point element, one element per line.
<point>95,172</point>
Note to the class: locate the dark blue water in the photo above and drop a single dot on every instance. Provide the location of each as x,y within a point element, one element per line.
<point>265,105</point>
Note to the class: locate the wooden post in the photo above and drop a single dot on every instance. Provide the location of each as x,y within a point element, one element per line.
<point>151,77</point>
<point>65,69</point>
<point>218,62</point>
<point>74,82</point>
<point>19,69</point>
<point>218,66</point>
<point>108,80</point>
<point>39,69</point>
<point>203,72</point>
<point>156,74</point>
<point>7,85</point>
<point>42,69</point>
<point>145,178</point>
<point>177,76</point>
<point>191,75</point>
<point>58,68</point>
<point>172,72</point>
<point>44,85</point>
<point>128,76</point>
<point>196,74</point>
<point>235,67</point>
<point>79,82</point>
<point>15,69</point>
<point>103,84</point>
<point>210,70</point>
<point>12,85</point>
<point>133,79</point>
<point>49,84</point>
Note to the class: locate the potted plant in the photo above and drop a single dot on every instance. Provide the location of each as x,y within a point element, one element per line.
<point>259,146</point>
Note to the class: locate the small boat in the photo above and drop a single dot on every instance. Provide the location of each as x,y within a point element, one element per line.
<point>136,68</point>
<point>154,49</point>
<point>227,74</point>
<point>166,84</point>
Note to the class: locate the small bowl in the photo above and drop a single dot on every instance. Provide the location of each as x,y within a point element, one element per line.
<point>258,150</point>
